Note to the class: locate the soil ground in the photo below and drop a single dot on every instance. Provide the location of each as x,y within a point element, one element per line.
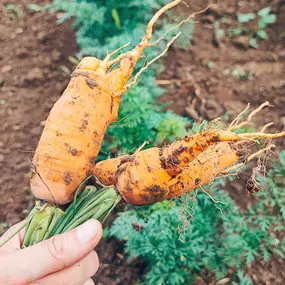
<point>35,67</point>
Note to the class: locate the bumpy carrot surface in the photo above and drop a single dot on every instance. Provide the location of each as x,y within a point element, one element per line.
<point>74,129</point>
<point>144,180</point>
<point>77,123</point>
<point>173,158</point>
<point>157,174</point>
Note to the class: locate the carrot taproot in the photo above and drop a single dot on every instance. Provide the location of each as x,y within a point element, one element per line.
<point>78,121</point>
<point>105,170</point>
<point>173,158</point>
<point>155,174</point>
<point>144,180</point>
<point>176,156</point>
<point>205,168</point>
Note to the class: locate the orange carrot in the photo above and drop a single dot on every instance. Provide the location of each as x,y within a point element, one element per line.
<point>157,174</point>
<point>144,180</point>
<point>105,170</point>
<point>173,158</point>
<point>77,123</point>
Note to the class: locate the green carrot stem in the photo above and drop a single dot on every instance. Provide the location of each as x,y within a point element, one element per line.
<point>100,199</point>
<point>69,213</point>
<point>56,216</point>
<point>100,205</point>
<point>34,227</point>
<point>42,227</point>
<point>50,220</point>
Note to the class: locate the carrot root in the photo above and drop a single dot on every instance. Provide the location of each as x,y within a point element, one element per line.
<point>74,132</point>
<point>143,180</point>
<point>156,174</point>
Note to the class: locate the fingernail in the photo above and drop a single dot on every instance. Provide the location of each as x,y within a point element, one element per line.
<point>87,231</point>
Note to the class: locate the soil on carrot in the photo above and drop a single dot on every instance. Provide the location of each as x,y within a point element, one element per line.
<point>201,83</point>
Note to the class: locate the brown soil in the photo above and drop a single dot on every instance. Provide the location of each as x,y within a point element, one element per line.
<point>207,92</point>
<point>34,70</point>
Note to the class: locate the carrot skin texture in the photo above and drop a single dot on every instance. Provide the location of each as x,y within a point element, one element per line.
<point>181,152</point>
<point>143,181</point>
<point>173,157</point>
<point>204,169</point>
<point>105,170</point>
<point>75,128</point>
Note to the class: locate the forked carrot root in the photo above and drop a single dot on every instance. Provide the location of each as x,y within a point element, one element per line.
<point>77,123</point>
<point>74,132</point>
<point>157,174</point>
<point>145,181</point>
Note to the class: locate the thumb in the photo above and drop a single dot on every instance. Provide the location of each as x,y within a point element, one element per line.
<point>52,255</point>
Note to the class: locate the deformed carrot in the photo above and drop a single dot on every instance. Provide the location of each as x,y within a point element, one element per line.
<point>157,174</point>
<point>205,168</point>
<point>78,121</point>
<point>172,158</point>
<point>176,156</point>
<point>105,170</point>
<point>144,181</point>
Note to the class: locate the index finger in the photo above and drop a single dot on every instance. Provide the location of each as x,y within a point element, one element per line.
<point>14,236</point>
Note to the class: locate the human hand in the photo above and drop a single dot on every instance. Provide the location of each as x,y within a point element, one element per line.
<point>66,259</point>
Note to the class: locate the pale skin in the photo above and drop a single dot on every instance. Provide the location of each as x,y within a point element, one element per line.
<point>67,259</point>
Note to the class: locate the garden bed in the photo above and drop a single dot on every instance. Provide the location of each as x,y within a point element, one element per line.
<point>35,68</point>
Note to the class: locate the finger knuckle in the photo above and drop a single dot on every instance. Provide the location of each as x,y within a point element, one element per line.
<point>55,248</point>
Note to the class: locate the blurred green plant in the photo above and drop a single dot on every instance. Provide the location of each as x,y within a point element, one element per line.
<point>106,25</point>
<point>35,8</point>
<point>218,237</point>
<point>210,64</point>
<point>241,74</point>
<point>255,25</point>
<point>15,11</point>
<point>219,32</point>
<point>103,26</point>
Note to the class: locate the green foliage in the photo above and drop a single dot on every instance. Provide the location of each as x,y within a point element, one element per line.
<point>171,128</point>
<point>219,32</point>
<point>15,11</point>
<point>35,8</point>
<point>264,17</point>
<point>209,64</point>
<point>234,32</point>
<point>241,74</point>
<point>270,210</point>
<point>106,25</point>
<point>243,279</point>
<point>244,18</point>
<point>214,241</point>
